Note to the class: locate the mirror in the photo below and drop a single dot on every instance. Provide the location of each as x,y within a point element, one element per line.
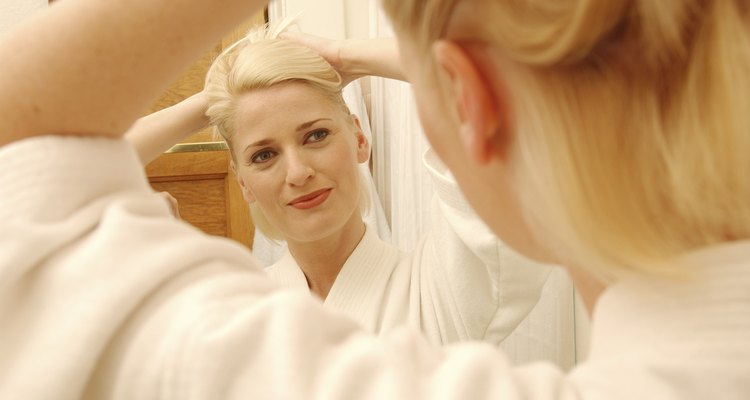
<point>400,202</point>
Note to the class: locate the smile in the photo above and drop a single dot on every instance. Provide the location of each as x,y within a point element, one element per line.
<point>311,200</point>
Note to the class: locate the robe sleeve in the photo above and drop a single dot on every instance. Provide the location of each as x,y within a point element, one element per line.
<point>472,285</point>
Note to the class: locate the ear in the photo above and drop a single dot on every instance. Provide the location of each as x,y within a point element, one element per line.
<point>479,103</point>
<point>246,193</point>
<point>363,145</point>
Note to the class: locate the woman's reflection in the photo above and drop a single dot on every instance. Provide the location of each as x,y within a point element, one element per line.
<point>295,150</point>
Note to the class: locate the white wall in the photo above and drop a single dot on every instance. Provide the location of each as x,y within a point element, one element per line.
<point>14,11</point>
<point>357,14</point>
<point>336,19</point>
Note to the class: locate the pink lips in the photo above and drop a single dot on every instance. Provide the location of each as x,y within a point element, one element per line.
<point>310,200</point>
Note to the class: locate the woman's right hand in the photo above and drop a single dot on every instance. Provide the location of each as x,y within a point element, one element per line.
<point>355,58</point>
<point>329,49</point>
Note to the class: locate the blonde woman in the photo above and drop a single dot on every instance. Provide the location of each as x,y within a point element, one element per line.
<point>626,119</point>
<point>622,130</point>
<point>295,149</point>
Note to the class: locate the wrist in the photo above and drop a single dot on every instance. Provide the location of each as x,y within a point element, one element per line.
<point>352,60</point>
<point>198,104</point>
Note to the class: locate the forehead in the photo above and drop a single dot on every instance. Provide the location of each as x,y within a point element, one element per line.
<point>280,109</point>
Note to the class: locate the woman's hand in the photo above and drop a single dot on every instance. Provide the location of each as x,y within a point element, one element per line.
<point>329,49</point>
<point>355,58</point>
<point>174,206</point>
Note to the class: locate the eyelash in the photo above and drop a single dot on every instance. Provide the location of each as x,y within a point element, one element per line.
<point>311,135</point>
<point>254,158</point>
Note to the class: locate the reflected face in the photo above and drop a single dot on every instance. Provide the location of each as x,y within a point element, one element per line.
<point>489,188</point>
<point>296,154</point>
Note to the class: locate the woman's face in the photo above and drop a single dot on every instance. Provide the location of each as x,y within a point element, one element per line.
<point>296,154</point>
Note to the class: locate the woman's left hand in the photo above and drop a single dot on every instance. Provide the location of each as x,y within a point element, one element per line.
<point>173,204</point>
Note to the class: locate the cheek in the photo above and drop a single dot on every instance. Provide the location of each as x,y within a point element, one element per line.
<point>262,186</point>
<point>441,132</point>
<point>342,165</point>
<point>339,156</point>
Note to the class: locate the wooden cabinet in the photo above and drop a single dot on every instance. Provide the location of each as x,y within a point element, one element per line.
<point>206,190</point>
<point>196,172</point>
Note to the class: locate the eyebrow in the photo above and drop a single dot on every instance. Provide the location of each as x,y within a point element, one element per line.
<point>311,123</point>
<point>301,127</point>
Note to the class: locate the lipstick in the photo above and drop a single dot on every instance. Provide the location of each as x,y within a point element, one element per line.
<point>311,200</point>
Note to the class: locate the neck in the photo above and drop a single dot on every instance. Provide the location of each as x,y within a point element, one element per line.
<point>322,259</point>
<point>588,287</point>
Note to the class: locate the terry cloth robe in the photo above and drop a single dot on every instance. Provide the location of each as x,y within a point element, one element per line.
<point>105,295</point>
<point>459,283</point>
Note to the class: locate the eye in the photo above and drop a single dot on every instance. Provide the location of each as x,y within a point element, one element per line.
<point>317,136</point>
<point>262,156</point>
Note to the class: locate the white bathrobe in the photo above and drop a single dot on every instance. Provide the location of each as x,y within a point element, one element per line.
<point>459,283</point>
<point>103,295</point>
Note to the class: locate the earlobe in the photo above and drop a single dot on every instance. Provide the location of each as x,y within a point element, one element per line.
<point>479,112</point>
<point>246,193</point>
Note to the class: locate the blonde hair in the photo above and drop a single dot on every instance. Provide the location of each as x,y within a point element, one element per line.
<point>632,118</point>
<point>262,60</point>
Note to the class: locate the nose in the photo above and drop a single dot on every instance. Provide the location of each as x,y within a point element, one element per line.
<point>299,170</point>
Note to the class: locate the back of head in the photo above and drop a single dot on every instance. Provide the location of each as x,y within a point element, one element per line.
<point>631,121</point>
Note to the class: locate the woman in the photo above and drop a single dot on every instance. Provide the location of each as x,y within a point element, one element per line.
<point>621,128</point>
<point>295,149</point>
<point>135,305</point>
